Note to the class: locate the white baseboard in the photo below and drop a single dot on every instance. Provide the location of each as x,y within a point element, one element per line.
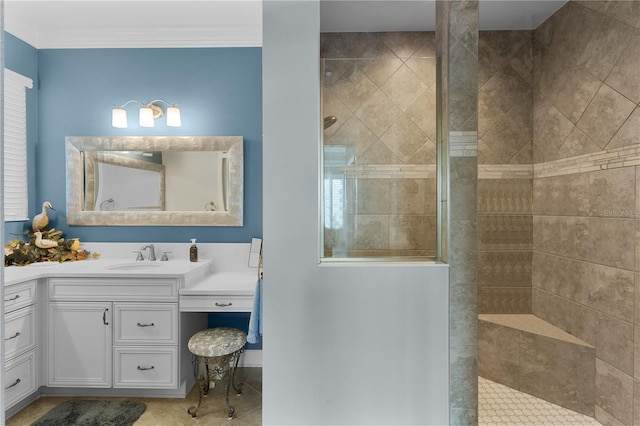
<point>251,358</point>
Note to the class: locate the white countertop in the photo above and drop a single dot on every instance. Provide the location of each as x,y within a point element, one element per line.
<point>100,268</point>
<point>223,283</point>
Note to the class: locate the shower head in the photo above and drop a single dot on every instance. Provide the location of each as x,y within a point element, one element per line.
<point>329,121</point>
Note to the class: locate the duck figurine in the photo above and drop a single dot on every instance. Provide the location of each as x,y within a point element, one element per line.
<point>40,221</point>
<point>43,242</point>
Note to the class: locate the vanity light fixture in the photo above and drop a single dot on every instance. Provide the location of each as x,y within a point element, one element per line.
<point>149,112</point>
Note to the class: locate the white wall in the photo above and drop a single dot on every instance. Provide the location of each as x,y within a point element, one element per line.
<point>347,344</point>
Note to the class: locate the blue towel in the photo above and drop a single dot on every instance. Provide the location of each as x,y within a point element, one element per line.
<point>255,321</point>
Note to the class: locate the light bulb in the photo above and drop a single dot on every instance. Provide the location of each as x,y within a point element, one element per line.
<point>119,118</point>
<point>173,117</point>
<point>146,117</point>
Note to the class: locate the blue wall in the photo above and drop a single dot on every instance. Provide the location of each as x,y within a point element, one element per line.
<point>219,92</point>
<point>23,59</point>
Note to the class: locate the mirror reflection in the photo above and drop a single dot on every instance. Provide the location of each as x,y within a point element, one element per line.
<point>154,180</point>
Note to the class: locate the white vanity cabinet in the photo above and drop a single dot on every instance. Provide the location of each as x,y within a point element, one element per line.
<point>113,332</point>
<point>79,344</point>
<point>20,342</point>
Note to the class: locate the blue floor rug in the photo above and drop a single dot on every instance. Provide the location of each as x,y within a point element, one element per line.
<point>78,412</point>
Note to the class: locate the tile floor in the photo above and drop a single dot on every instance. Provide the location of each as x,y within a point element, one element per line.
<point>173,412</point>
<point>499,405</point>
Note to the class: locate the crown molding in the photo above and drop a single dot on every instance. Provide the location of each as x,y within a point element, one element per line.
<point>57,24</point>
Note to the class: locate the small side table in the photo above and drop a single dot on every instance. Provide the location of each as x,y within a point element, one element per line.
<point>217,351</point>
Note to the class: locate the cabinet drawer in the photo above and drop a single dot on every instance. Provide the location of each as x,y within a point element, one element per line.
<point>145,367</point>
<point>151,323</point>
<point>19,331</point>
<point>216,303</point>
<point>113,290</point>
<point>19,378</point>
<point>19,295</point>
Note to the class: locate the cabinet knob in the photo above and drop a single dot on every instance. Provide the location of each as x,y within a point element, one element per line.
<point>16,297</point>
<point>146,325</point>
<point>104,317</point>
<point>223,305</point>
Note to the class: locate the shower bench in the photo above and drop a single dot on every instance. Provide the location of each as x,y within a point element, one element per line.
<point>528,354</point>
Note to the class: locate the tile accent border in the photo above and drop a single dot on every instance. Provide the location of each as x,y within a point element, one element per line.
<point>505,171</point>
<point>463,144</point>
<point>602,160</point>
<point>393,171</point>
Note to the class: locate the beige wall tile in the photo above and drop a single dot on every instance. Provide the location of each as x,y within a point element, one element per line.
<point>404,138</point>
<point>358,90</point>
<point>373,196</point>
<point>614,392</point>
<point>524,156</point>
<point>353,133</point>
<point>597,5</point>
<point>512,132</point>
<point>404,87</point>
<point>380,69</point>
<point>504,196</point>
<point>406,44</point>
<point>423,112</point>
<point>463,81</point>
<point>413,196</point>
<point>550,130</point>
<point>571,317</point>
<point>629,133</point>
<point>504,300</point>
<point>611,242</point>
<point>625,11</point>
<point>561,195</point>
<point>636,403</point>
<point>378,113</point>
<point>506,232</point>
<point>426,154</point>
<point>424,68</point>
<point>606,113</point>
<point>606,419</point>
<point>606,45</point>
<point>605,289</point>
<point>561,235</point>
<point>412,232</point>
<point>504,269</point>
<point>612,193</point>
<point>577,143</point>
<point>371,233</point>
<point>571,383</point>
<point>576,94</point>
<point>499,353</point>
<point>498,95</point>
<point>378,153</point>
<point>614,343</point>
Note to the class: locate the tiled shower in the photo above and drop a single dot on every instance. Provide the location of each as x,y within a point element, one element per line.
<point>558,153</point>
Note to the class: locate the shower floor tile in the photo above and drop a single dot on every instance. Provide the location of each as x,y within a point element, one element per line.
<point>499,405</point>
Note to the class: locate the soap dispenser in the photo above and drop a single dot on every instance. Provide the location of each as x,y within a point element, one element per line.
<point>193,251</point>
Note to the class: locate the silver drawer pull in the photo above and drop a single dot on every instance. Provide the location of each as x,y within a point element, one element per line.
<point>13,337</point>
<point>11,299</point>
<point>223,305</point>
<point>146,368</point>
<point>146,325</point>
<point>13,384</point>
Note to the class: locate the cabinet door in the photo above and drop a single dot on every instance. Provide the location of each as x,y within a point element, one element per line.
<point>79,344</point>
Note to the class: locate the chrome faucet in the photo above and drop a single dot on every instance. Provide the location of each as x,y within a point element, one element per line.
<point>152,252</point>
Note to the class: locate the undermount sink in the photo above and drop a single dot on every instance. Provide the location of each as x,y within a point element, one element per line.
<point>134,266</point>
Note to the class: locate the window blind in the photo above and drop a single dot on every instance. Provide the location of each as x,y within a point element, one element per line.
<point>15,146</point>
